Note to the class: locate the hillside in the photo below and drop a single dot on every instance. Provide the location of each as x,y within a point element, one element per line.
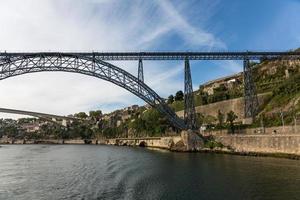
<point>277,84</point>
<point>278,88</point>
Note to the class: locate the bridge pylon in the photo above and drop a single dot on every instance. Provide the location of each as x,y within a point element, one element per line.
<point>141,71</point>
<point>251,100</point>
<point>189,106</point>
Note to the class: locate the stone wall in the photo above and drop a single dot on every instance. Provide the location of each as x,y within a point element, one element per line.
<point>268,140</point>
<point>236,105</point>
<point>158,142</point>
<point>253,131</point>
<point>187,141</point>
<point>267,143</point>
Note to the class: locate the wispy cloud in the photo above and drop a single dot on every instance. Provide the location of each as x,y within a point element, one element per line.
<point>94,25</point>
<point>168,77</point>
<point>192,35</point>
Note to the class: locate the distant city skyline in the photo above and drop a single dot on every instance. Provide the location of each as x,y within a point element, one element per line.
<point>110,25</point>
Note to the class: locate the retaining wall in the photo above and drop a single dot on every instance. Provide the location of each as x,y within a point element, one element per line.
<point>257,131</point>
<point>236,105</point>
<point>267,143</point>
<point>160,142</point>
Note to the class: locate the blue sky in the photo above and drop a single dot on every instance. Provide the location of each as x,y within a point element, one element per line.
<point>132,25</point>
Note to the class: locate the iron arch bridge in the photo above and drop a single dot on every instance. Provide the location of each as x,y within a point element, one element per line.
<point>94,64</point>
<point>31,63</point>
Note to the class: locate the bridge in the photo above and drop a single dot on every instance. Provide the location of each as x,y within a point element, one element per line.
<point>48,117</point>
<point>97,64</point>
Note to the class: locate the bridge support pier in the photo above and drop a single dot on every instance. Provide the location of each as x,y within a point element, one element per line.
<point>250,101</point>
<point>191,140</point>
<point>189,106</point>
<point>141,71</point>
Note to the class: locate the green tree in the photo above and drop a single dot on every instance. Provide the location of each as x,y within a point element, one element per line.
<point>81,115</point>
<point>204,98</point>
<point>231,116</point>
<point>220,118</point>
<point>209,120</point>
<point>200,119</point>
<point>138,125</point>
<point>109,132</point>
<point>294,114</point>
<point>201,89</point>
<point>11,130</point>
<point>95,115</point>
<point>170,99</point>
<point>155,123</point>
<point>179,96</point>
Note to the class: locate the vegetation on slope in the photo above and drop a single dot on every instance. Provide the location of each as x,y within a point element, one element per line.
<point>284,106</point>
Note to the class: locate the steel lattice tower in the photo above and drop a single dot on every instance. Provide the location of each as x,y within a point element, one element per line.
<point>189,107</point>
<point>141,71</point>
<point>251,101</point>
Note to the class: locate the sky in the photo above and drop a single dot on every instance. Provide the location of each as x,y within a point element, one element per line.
<point>134,25</point>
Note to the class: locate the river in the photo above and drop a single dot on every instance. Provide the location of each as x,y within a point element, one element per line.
<point>110,172</point>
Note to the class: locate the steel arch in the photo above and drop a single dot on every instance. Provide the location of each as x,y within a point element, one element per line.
<point>40,62</point>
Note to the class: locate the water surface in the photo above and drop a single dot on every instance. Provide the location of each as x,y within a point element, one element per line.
<point>109,172</point>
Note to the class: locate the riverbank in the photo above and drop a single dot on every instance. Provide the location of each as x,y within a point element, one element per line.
<point>279,146</point>
<point>47,141</point>
<point>271,145</point>
<point>251,153</point>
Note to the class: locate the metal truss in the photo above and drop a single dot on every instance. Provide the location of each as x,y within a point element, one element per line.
<point>251,101</point>
<point>93,64</point>
<point>171,55</point>
<point>140,71</point>
<point>189,106</point>
<point>14,65</point>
